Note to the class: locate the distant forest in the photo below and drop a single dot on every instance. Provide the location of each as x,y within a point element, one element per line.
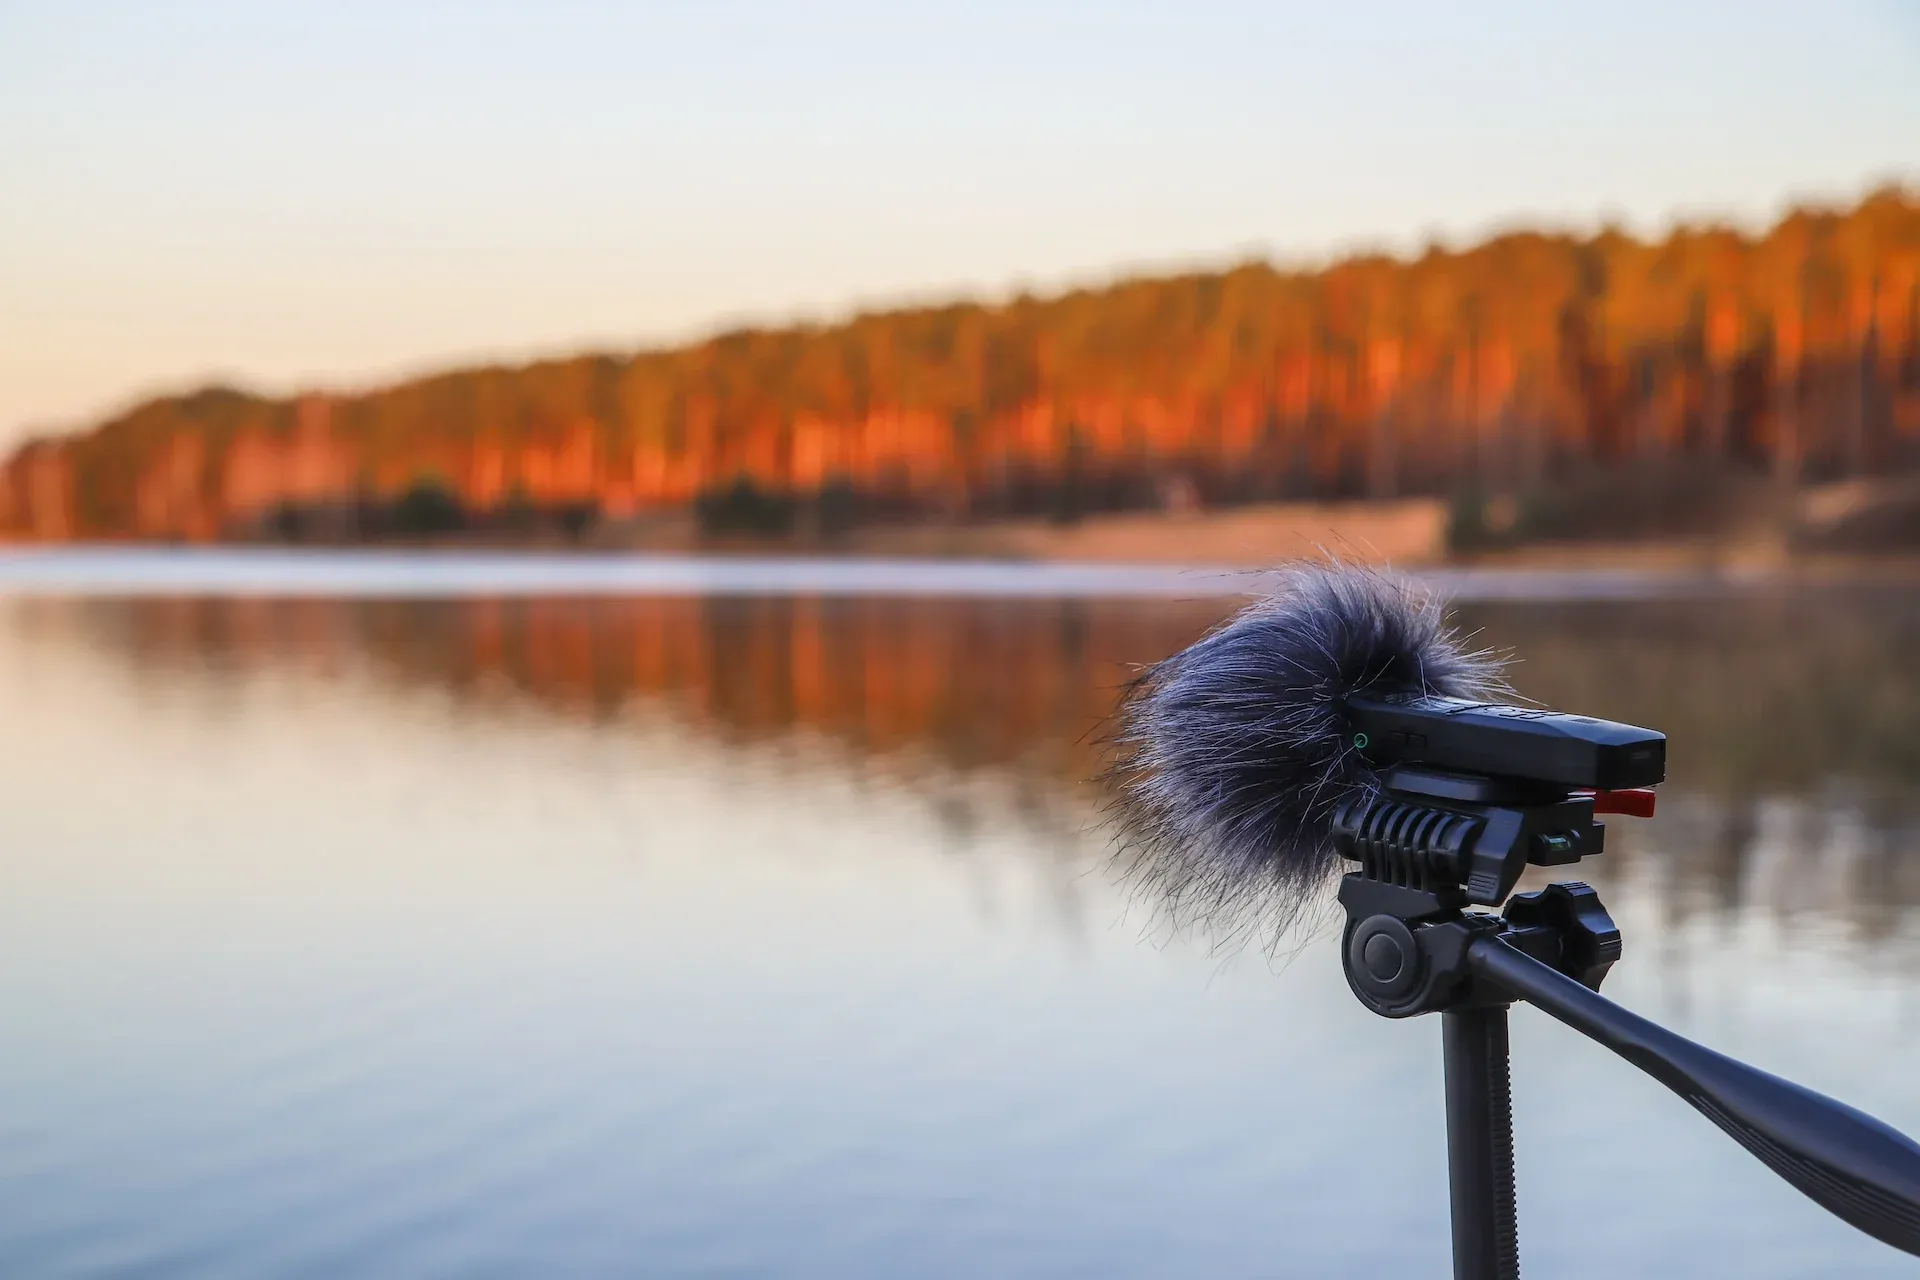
<point>1498,369</point>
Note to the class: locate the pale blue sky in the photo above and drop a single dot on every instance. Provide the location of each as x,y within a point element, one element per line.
<point>285,194</point>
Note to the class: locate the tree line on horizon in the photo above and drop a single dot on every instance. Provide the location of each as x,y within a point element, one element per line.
<point>1497,368</point>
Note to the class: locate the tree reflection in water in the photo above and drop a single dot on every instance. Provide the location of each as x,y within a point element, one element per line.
<point>1794,715</point>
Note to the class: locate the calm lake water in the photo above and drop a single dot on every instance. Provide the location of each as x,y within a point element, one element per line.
<point>760,934</point>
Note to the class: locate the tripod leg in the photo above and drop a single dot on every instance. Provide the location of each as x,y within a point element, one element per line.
<point>1486,1242</point>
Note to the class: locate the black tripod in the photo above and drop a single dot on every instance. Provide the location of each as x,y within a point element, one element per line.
<point>1409,949</point>
<point>1486,1228</point>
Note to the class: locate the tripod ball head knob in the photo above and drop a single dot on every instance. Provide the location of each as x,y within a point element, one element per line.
<point>1399,960</point>
<point>1383,960</point>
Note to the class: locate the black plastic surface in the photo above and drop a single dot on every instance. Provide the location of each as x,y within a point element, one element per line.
<point>1486,1233</point>
<point>1408,727</point>
<point>1843,1160</point>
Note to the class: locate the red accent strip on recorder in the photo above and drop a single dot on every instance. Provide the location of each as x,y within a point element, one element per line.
<point>1634,802</point>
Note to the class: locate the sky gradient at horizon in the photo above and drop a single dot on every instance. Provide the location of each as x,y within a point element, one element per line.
<point>292,195</point>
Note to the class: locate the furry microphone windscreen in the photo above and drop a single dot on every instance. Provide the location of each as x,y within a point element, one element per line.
<point>1230,757</point>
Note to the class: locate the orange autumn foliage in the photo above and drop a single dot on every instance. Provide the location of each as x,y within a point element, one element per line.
<point>1496,366</point>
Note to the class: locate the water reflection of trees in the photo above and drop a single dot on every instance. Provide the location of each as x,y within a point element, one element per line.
<point>974,683</point>
<point>1794,717</point>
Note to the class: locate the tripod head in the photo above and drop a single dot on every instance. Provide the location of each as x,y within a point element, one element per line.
<point>1496,788</point>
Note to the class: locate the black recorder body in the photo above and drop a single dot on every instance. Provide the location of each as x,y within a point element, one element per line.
<point>1474,792</point>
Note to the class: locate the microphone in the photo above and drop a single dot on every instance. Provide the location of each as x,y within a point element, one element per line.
<point>1343,721</point>
<point>1232,757</point>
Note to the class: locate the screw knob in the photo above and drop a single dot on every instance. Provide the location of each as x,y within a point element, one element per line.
<point>1383,960</point>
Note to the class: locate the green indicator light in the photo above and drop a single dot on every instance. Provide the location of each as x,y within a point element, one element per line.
<point>1360,741</point>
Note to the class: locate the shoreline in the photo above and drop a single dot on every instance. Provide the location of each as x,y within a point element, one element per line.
<point>127,571</point>
<point>1141,547</point>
